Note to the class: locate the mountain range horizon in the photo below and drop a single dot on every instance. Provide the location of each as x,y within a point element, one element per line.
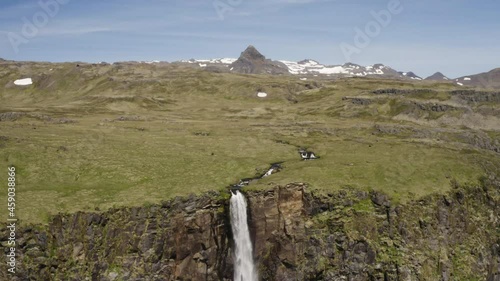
<point>436,76</point>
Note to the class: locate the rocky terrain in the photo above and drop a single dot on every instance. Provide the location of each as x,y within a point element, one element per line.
<point>251,61</point>
<point>298,234</point>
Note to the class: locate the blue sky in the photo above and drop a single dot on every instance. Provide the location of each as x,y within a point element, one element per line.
<point>457,37</point>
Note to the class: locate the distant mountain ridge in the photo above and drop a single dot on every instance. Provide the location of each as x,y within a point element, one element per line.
<point>251,61</point>
<point>490,79</point>
<point>411,75</point>
<point>438,76</point>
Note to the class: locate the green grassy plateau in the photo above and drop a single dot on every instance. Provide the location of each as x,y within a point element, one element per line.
<point>96,136</point>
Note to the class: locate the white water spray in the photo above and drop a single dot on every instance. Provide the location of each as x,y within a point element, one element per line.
<point>244,267</point>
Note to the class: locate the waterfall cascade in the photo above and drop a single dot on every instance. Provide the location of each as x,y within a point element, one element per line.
<point>244,267</point>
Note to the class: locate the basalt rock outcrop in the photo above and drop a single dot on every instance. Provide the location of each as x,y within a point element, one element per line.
<point>298,234</point>
<point>473,96</point>
<point>402,91</point>
<point>183,239</point>
<point>353,235</point>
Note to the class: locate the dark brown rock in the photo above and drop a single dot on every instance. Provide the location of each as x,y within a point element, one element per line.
<point>298,235</point>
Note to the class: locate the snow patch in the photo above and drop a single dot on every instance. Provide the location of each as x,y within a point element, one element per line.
<point>331,70</point>
<point>467,79</point>
<point>203,65</point>
<point>261,94</point>
<point>23,82</point>
<point>226,61</point>
<point>460,84</point>
<point>303,79</point>
<point>308,66</point>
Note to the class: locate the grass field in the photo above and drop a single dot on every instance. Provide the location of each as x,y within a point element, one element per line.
<point>93,137</point>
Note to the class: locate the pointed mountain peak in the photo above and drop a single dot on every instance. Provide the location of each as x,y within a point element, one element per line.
<point>306,61</point>
<point>251,53</point>
<point>350,64</point>
<point>252,61</point>
<point>438,76</point>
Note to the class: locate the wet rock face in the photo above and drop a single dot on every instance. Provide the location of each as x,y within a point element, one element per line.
<point>298,234</point>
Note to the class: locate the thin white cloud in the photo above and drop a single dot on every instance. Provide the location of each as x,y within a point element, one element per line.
<point>73,31</point>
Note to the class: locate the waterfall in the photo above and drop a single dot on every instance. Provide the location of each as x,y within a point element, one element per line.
<point>244,267</point>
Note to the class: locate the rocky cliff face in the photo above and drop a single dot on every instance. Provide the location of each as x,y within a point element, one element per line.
<point>184,239</point>
<point>353,235</point>
<point>298,235</point>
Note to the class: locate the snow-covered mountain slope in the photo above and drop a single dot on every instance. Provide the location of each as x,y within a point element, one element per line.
<point>490,79</point>
<point>252,61</point>
<point>308,66</point>
<point>411,75</point>
<point>206,62</point>
<point>312,67</point>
